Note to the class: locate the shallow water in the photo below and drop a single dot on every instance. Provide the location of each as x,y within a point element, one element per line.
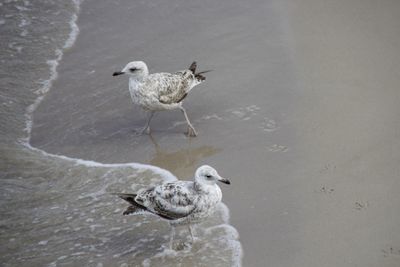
<point>58,210</point>
<point>301,113</point>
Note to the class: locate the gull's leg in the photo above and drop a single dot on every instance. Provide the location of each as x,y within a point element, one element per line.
<point>171,240</point>
<point>146,129</point>
<point>191,130</point>
<point>191,232</point>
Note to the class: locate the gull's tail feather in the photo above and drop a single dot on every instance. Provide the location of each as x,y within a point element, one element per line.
<point>193,67</point>
<point>130,198</point>
<point>136,207</point>
<point>199,76</point>
<point>132,210</point>
<point>204,71</point>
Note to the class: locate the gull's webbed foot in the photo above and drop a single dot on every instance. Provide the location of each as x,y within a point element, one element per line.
<point>191,132</point>
<point>145,130</point>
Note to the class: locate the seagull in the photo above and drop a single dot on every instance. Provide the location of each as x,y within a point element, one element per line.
<point>161,91</point>
<point>179,202</point>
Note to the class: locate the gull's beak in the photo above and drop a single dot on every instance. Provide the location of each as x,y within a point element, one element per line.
<point>118,73</point>
<point>224,180</point>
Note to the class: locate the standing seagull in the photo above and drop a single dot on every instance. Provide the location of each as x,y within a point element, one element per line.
<point>180,202</point>
<point>161,91</point>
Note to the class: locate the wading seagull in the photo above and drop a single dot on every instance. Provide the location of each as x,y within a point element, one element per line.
<point>161,91</point>
<point>180,202</point>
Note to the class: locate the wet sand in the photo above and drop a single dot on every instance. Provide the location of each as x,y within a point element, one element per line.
<point>301,113</point>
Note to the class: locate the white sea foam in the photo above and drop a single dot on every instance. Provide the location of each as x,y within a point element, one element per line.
<point>21,8</point>
<point>43,242</point>
<point>221,235</point>
<point>53,63</point>
<point>74,31</point>
<point>24,33</point>
<point>24,22</point>
<point>166,175</point>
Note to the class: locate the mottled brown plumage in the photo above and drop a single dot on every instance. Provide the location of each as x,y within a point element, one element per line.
<point>161,91</point>
<point>180,202</point>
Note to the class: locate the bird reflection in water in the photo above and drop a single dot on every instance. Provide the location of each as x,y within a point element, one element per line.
<point>183,161</point>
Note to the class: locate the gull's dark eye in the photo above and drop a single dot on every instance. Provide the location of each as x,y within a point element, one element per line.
<point>133,69</point>
<point>208,176</point>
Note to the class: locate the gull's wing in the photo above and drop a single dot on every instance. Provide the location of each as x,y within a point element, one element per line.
<point>171,200</point>
<point>171,88</point>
